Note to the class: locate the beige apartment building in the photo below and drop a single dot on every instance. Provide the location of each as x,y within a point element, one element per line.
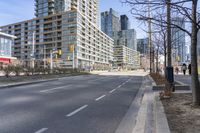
<point>126,58</point>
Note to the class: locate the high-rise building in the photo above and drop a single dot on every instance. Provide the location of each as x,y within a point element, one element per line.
<point>88,8</point>
<point>126,38</point>
<point>143,46</point>
<point>124,20</point>
<point>110,22</point>
<point>72,30</point>
<point>49,7</point>
<point>179,53</point>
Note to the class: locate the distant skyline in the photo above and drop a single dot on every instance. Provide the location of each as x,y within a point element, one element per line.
<point>13,11</point>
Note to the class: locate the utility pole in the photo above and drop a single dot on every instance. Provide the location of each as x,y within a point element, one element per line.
<point>73,58</point>
<point>169,68</point>
<point>33,51</point>
<point>44,56</point>
<point>150,38</point>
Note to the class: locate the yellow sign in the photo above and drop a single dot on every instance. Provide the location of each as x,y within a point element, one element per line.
<point>48,60</point>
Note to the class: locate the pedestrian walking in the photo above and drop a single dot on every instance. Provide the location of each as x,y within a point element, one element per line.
<point>184,68</point>
<point>177,70</point>
<point>189,68</point>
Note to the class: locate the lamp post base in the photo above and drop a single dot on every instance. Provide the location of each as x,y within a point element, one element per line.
<point>169,73</point>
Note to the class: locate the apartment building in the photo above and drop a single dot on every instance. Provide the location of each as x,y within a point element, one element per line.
<point>88,8</point>
<point>126,58</point>
<point>75,32</point>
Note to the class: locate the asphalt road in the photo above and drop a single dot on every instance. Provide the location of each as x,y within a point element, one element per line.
<point>81,104</point>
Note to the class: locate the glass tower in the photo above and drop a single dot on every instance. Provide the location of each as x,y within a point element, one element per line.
<point>124,22</point>
<point>110,22</point>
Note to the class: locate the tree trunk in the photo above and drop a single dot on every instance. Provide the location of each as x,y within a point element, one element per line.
<point>157,54</point>
<point>169,60</point>
<point>194,77</point>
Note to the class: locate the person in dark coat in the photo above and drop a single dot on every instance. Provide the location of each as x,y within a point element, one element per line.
<point>190,69</point>
<point>184,68</point>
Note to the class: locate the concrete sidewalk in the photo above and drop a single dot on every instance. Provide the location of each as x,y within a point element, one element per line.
<point>151,117</point>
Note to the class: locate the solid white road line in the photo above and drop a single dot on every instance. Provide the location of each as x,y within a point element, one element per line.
<point>112,91</point>
<point>119,86</point>
<point>77,110</point>
<point>57,88</point>
<point>41,130</point>
<point>99,98</point>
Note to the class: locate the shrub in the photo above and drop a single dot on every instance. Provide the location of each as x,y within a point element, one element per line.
<point>8,70</point>
<point>17,70</point>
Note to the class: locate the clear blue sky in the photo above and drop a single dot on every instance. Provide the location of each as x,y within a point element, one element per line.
<point>13,11</point>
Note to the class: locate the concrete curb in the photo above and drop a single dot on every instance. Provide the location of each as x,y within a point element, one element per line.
<point>177,87</point>
<point>153,82</point>
<point>139,118</point>
<point>161,122</point>
<point>160,119</point>
<point>179,82</point>
<point>26,83</point>
<point>34,82</point>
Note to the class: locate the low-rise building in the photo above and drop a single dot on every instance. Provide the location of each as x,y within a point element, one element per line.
<point>126,58</point>
<point>6,43</point>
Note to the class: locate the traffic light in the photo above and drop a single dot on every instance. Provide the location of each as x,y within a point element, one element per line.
<point>59,52</point>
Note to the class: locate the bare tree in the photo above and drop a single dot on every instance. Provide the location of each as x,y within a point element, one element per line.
<point>185,8</point>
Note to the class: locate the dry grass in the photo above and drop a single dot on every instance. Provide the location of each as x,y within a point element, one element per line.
<point>159,79</point>
<point>182,117</point>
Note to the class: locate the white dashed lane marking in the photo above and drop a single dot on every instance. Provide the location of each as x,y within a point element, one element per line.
<point>77,110</point>
<point>57,88</point>
<point>41,130</point>
<point>112,91</point>
<point>99,98</point>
